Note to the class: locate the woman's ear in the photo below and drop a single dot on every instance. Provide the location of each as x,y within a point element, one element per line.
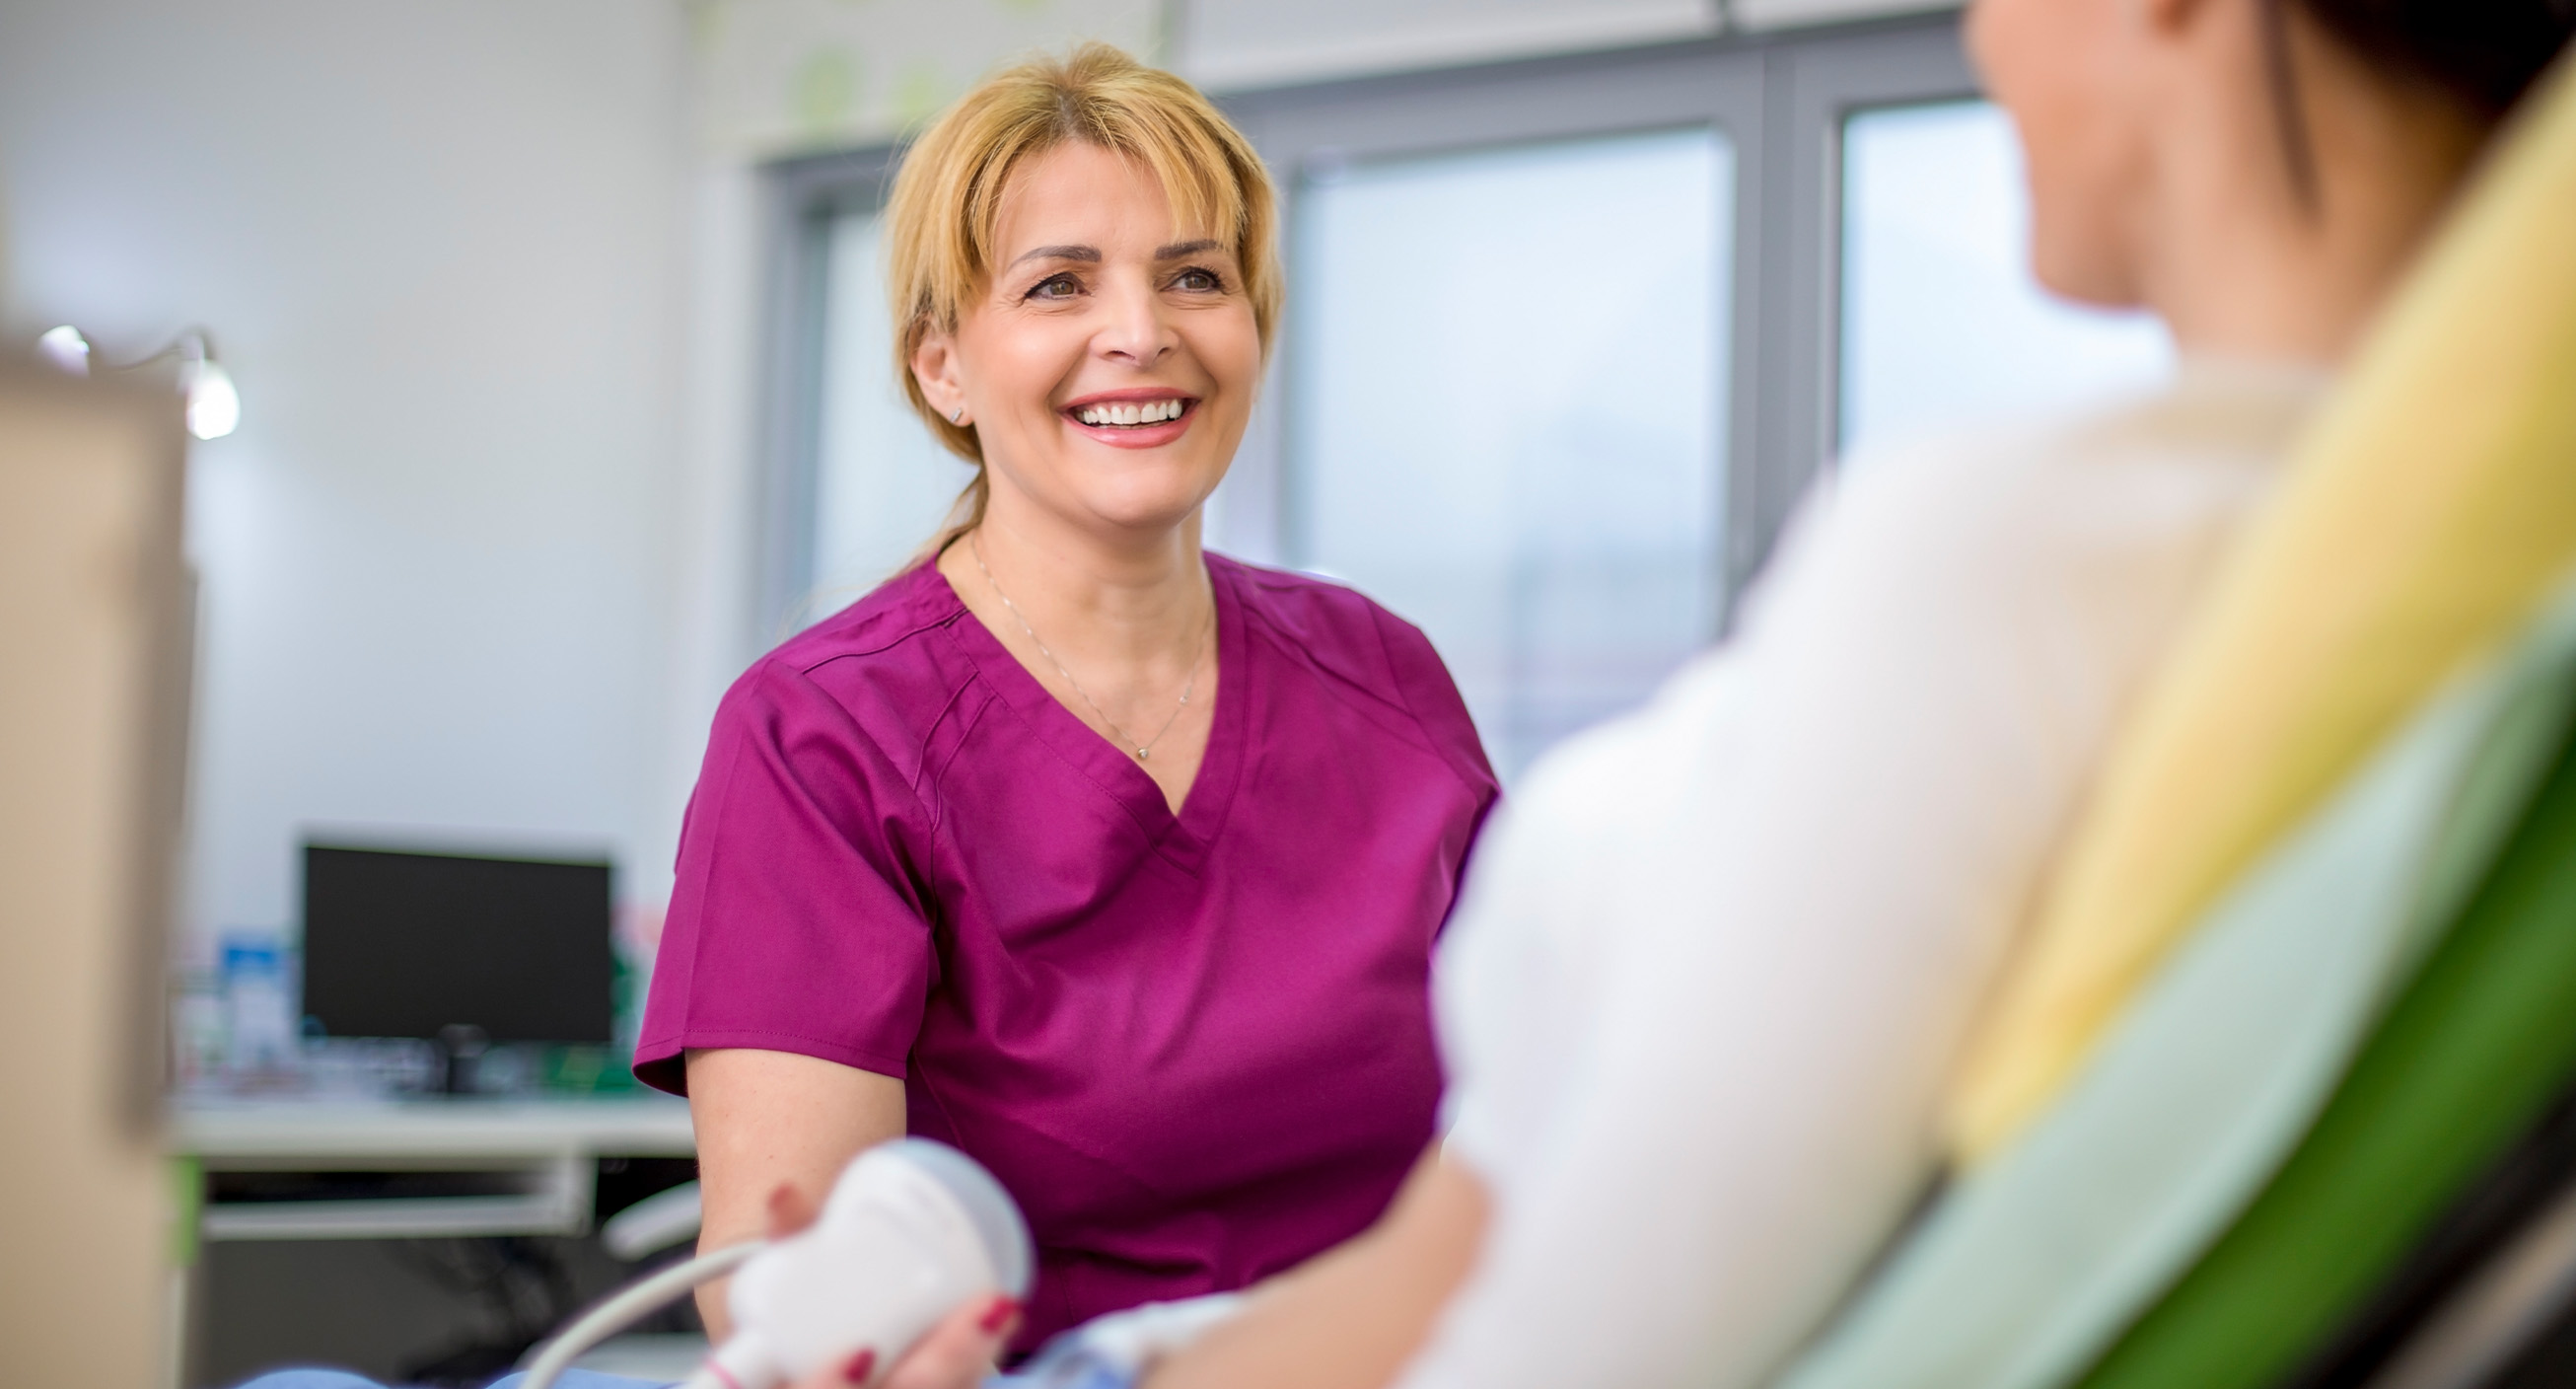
<point>934,365</point>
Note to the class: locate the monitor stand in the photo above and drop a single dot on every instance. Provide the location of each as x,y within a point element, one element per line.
<point>461,1045</point>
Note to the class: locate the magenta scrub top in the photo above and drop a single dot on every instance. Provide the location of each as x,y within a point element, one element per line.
<point>1196,1049</point>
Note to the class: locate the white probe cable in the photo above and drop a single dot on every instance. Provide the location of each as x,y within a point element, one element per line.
<point>631,1306</point>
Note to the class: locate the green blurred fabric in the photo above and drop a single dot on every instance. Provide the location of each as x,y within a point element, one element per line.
<point>2467,1059</point>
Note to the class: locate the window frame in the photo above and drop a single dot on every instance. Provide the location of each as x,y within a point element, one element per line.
<point>1781,100</point>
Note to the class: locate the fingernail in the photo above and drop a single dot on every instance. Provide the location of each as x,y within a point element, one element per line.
<point>860,1367</point>
<point>998,1315</point>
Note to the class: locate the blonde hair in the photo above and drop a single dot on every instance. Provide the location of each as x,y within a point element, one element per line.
<point>947,200</point>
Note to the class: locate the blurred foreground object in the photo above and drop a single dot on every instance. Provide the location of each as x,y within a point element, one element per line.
<point>94,618</point>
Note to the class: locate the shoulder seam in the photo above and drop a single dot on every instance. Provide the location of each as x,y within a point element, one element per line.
<point>937,806</point>
<point>769,670</point>
<point>808,667</point>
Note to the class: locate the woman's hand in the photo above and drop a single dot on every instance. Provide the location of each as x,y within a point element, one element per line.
<point>956,1354</point>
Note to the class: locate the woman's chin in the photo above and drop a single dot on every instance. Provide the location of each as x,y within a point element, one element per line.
<point>1135,498</point>
<point>1144,511</point>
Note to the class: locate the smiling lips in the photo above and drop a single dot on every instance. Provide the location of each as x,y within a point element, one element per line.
<point>1130,413</point>
<point>1143,419</point>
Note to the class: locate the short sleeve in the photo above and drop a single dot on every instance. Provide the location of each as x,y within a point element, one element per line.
<point>1422,680</point>
<point>798,922</point>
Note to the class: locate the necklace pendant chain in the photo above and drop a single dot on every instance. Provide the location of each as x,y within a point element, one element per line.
<point>1144,750</point>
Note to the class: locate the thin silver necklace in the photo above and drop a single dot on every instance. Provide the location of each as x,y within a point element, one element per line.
<point>1145,749</point>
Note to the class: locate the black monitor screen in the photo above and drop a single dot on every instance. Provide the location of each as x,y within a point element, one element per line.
<point>402,944</point>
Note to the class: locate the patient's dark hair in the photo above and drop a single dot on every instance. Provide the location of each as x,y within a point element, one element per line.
<point>2483,54</point>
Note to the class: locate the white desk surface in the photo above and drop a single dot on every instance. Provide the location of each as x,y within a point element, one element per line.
<point>642,1126</point>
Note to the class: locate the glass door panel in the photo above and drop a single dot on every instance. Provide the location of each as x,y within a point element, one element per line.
<point>881,483</point>
<point>1942,322</point>
<point>1507,410</point>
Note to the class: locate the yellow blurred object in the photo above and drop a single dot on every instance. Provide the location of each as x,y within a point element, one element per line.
<point>94,623</point>
<point>2424,517</point>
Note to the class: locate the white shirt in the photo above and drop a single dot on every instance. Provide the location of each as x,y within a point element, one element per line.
<point>1716,959</point>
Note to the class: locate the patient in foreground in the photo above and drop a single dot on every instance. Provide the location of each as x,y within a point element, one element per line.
<point>1716,966</point>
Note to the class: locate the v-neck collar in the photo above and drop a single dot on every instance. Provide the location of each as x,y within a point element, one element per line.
<point>1184,839</point>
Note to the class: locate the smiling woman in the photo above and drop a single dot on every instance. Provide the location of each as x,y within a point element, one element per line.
<point>1114,863</point>
<point>1105,374</point>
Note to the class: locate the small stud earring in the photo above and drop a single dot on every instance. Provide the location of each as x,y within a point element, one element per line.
<point>957,416</point>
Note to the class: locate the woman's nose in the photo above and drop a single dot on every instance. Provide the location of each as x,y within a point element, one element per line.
<point>1135,328</point>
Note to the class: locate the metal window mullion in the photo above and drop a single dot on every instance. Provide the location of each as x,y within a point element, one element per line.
<point>1812,83</point>
<point>803,199</point>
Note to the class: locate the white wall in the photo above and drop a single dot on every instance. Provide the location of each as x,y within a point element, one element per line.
<point>784,75</point>
<point>1230,44</point>
<point>442,244</point>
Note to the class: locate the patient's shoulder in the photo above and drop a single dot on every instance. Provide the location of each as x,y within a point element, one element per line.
<point>2218,431</point>
<point>2141,489</point>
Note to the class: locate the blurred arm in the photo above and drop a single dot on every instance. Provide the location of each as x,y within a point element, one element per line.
<point>1352,1316</point>
<point>767,1119</point>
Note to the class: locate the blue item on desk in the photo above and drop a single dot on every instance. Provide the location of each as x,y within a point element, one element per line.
<point>258,1008</point>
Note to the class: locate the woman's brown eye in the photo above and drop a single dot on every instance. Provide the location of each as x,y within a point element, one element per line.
<point>1055,287</point>
<point>1196,279</point>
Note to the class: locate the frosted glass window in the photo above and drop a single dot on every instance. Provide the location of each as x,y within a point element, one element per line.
<point>1942,322</point>
<point>1507,408</point>
<point>882,484</point>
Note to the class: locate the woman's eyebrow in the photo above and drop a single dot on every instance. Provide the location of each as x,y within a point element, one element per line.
<point>1089,253</point>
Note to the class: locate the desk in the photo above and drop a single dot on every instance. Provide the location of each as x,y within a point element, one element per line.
<point>516,1167</point>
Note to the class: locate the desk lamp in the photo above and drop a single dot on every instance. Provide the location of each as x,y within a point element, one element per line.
<point>214,406</point>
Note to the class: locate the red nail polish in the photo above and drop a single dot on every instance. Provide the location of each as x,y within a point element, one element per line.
<point>860,1367</point>
<point>998,1315</point>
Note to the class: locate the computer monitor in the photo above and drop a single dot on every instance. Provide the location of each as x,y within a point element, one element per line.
<point>457,949</point>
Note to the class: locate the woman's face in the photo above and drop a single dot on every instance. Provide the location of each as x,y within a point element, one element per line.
<point>2073,75</point>
<point>1109,365</point>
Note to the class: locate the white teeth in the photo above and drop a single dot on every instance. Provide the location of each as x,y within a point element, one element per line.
<point>1151,412</point>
